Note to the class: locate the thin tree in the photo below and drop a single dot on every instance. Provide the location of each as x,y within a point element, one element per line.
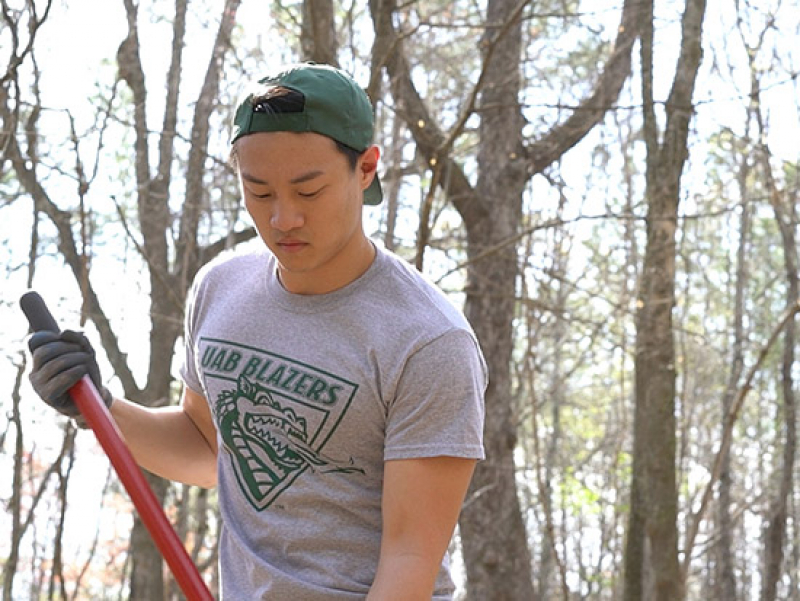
<point>726,574</point>
<point>652,530</point>
<point>785,213</point>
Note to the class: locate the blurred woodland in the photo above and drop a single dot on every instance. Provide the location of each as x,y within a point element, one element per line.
<point>609,189</point>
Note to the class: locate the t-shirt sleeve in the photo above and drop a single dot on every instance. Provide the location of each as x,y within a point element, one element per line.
<point>438,408</point>
<point>188,369</point>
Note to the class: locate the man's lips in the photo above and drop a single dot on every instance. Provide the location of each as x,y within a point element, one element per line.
<point>291,245</point>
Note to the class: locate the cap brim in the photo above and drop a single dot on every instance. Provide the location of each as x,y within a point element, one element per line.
<point>373,195</point>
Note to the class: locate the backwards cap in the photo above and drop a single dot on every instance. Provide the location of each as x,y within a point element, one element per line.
<point>332,105</point>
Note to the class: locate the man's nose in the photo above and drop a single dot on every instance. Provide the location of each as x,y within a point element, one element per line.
<point>286,216</point>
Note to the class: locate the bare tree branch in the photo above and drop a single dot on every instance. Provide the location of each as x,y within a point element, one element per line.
<point>727,433</point>
<point>187,257</point>
<point>543,152</point>
<point>427,134</point>
<point>68,248</point>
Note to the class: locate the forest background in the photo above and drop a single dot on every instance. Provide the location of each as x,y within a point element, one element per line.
<point>609,189</point>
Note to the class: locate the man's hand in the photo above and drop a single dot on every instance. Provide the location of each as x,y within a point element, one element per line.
<point>59,361</point>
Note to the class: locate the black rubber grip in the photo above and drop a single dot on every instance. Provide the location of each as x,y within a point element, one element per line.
<point>38,314</point>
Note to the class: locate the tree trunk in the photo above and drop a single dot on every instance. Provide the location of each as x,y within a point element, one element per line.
<point>726,573</point>
<point>636,560</point>
<point>556,397</point>
<point>654,501</point>
<point>169,278</point>
<point>57,579</point>
<point>391,183</point>
<point>318,33</point>
<point>147,565</point>
<point>15,503</point>
<point>147,578</point>
<point>786,218</point>
<point>498,567</point>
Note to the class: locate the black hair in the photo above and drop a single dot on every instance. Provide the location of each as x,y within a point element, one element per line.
<point>279,99</point>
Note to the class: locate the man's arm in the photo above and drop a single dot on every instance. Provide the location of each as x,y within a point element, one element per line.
<point>421,502</point>
<point>177,443</point>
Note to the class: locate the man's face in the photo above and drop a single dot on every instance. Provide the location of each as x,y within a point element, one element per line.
<point>306,203</point>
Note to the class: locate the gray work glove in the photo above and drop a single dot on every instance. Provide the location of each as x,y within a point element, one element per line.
<point>59,361</point>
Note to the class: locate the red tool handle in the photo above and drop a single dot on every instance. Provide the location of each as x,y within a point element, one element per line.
<point>97,416</point>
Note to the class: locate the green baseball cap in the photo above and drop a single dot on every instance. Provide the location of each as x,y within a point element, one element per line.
<point>333,105</point>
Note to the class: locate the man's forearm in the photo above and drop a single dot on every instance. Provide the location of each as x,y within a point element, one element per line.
<point>404,577</point>
<point>166,442</point>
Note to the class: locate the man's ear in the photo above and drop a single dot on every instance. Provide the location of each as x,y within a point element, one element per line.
<point>367,167</point>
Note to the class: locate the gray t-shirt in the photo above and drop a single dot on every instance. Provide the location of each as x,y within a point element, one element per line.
<point>310,395</point>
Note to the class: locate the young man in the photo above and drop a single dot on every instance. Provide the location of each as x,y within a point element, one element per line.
<point>332,394</point>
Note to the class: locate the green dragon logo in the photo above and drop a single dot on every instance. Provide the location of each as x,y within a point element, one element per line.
<point>268,443</point>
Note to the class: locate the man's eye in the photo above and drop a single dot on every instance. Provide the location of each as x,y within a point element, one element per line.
<point>309,194</point>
